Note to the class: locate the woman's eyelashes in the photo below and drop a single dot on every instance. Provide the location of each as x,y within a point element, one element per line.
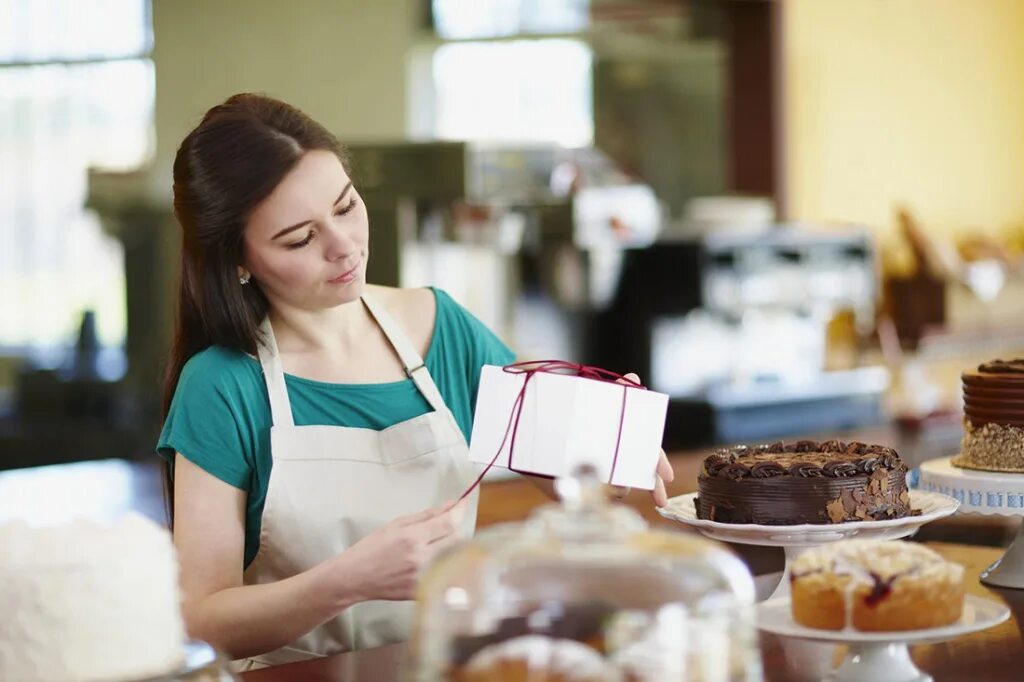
<point>346,208</point>
<point>306,240</point>
<point>312,233</point>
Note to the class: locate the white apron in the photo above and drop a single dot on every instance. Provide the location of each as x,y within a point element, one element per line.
<point>330,486</point>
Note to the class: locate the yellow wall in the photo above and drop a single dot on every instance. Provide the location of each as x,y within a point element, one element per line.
<point>913,101</point>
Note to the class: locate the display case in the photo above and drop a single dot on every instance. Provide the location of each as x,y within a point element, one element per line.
<point>584,590</point>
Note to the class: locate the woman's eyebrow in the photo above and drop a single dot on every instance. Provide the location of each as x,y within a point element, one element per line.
<point>296,226</point>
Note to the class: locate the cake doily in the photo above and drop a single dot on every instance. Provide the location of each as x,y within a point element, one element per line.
<point>989,493</point>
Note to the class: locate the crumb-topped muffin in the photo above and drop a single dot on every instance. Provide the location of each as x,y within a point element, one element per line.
<point>875,586</point>
<point>803,482</point>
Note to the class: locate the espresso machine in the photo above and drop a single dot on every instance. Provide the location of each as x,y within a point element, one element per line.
<point>732,324</point>
<point>529,238</point>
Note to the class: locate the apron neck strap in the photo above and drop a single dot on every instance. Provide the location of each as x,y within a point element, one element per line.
<point>414,366</point>
<point>273,373</point>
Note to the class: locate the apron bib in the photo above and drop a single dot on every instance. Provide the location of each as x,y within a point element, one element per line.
<point>330,486</point>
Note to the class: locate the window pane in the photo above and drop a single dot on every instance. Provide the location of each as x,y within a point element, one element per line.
<point>455,19</point>
<point>55,122</point>
<point>517,91</point>
<point>55,30</point>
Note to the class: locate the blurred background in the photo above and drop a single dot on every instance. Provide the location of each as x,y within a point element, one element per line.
<point>793,216</point>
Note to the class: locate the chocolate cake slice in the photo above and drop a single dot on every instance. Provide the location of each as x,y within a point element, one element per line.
<point>993,417</point>
<point>804,482</point>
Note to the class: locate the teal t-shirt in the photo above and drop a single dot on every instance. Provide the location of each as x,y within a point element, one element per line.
<point>220,415</point>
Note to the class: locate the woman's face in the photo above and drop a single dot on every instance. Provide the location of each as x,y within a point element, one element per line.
<point>308,242</point>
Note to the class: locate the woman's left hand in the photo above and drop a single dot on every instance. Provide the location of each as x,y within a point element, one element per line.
<point>663,474</point>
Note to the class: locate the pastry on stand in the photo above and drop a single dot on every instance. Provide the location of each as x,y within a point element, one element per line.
<point>987,476</point>
<point>877,597</point>
<point>805,494</point>
<point>988,493</point>
<point>584,591</point>
<point>880,656</point>
<point>802,495</point>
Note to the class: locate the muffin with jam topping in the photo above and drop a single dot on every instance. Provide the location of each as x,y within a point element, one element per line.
<point>803,482</point>
<point>875,585</point>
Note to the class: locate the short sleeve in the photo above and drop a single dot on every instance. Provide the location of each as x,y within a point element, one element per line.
<point>209,422</point>
<point>482,346</point>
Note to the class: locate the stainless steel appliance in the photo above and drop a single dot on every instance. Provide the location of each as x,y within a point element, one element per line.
<point>733,326</point>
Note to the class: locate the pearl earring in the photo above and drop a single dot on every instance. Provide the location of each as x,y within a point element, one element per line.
<point>244,280</point>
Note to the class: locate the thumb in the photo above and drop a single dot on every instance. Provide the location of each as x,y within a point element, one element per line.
<point>626,378</point>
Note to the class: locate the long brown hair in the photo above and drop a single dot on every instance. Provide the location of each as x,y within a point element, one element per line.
<point>224,168</point>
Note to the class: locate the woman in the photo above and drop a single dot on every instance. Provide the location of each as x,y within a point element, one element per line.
<point>315,425</point>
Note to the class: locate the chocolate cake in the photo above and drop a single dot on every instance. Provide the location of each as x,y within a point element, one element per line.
<point>993,417</point>
<point>803,482</point>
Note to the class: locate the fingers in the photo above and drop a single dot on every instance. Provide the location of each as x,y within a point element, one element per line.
<point>626,378</point>
<point>665,468</point>
<point>660,496</point>
<point>426,514</point>
<point>440,527</point>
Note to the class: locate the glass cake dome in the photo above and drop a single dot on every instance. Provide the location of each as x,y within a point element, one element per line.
<point>584,591</point>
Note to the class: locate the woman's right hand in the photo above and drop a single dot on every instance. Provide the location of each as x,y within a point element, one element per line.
<point>386,564</point>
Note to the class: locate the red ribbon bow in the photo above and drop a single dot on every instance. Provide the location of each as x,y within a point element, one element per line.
<point>534,367</point>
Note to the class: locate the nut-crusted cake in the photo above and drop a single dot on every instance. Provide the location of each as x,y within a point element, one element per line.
<point>875,586</point>
<point>993,417</point>
<point>803,482</point>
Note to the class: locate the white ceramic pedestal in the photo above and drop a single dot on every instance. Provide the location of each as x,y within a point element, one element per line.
<point>984,492</point>
<point>880,656</point>
<point>799,538</point>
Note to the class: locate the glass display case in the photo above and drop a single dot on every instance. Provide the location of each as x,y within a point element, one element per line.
<point>586,591</point>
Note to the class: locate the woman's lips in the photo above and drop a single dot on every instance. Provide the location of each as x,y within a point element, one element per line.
<point>345,277</point>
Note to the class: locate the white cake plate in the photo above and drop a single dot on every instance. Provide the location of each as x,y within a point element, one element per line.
<point>880,656</point>
<point>984,492</point>
<point>799,538</point>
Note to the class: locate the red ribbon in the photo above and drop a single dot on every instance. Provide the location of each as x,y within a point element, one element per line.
<point>534,367</point>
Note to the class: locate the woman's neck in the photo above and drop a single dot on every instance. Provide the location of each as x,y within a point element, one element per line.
<point>304,331</point>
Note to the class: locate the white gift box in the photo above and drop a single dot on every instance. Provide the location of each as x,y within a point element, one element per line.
<point>568,420</point>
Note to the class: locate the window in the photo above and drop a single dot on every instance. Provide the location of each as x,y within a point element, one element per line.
<point>460,19</point>
<point>76,91</point>
<point>493,76</point>
<point>516,91</point>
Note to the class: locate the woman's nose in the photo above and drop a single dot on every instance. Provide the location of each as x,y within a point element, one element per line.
<point>338,244</point>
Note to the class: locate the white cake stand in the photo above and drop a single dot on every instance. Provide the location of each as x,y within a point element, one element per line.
<point>984,492</point>
<point>799,538</point>
<point>880,656</point>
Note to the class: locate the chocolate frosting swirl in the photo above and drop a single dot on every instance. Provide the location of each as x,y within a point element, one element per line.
<point>890,460</point>
<point>767,470</point>
<point>804,459</point>
<point>856,448</point>
<point>1015,366</point>
<point>735,471</point>
<point>718,461</point>
<point>840,469</point>
<point>867,464</point>
<point>805,470</point>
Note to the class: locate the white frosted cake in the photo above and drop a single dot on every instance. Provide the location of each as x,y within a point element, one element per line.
<point>85,602</point>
